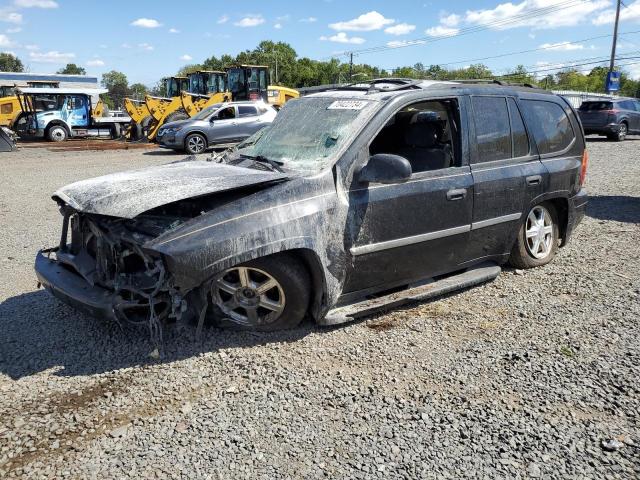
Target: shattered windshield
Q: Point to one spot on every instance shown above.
(308, 134)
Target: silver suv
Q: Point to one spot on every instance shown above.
(222, 123)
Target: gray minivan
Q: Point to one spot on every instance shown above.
(222, 123)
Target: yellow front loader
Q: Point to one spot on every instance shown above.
(166, 109)
(9, 109)
(206, 88)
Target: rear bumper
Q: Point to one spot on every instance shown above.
(577, 210)
(74, 290)
(608, 129)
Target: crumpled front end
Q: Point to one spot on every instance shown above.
(102, 267)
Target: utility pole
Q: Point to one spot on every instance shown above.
(613, 44)
(351, 67)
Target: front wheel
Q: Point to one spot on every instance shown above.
(57, 133)
(538, 236)
(266, 294)
(195, 143)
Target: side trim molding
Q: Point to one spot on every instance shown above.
(425, 237)
(495, 221)
(402, 242)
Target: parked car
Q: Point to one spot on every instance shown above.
(614, 118)
(415, 188)
(222, 123)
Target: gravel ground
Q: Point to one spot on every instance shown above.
(525, 377)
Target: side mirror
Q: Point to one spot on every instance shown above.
(385, 168)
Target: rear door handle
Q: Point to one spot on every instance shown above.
(457, 194)
(534, 180)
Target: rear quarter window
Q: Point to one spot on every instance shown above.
(549, 124)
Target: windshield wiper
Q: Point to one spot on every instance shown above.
(275, 165)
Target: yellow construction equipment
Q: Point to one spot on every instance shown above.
(251, 82)
(166, 109)
(206, 87)
(9, 109)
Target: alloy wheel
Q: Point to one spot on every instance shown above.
(249, 296)
(58, 134)
(196, 144)
(622, 131)
(539, 232)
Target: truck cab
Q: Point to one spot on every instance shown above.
(57, 114)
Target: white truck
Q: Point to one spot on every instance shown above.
(60, 113)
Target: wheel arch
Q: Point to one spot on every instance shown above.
(58, 123)
(199, 132)
(560, 201)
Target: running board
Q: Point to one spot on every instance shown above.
(474, 276)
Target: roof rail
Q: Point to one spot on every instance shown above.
(494, 81)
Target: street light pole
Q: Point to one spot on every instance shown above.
(615, 40)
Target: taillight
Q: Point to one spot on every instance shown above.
(583, 167)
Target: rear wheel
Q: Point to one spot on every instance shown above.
(57, 133)
(538, 236)
(623, 130)
(116, 131)
(266, 294)
(195, 143)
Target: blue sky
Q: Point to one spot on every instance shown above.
(151, 39)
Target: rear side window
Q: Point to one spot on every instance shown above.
(627, 105)
(595, 106)
(549, 124)
(492, 128)
(246, 111)
(520, 139)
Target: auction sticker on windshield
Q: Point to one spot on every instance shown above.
(348, 105)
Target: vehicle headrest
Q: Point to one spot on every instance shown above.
(422, 135)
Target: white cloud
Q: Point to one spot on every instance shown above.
(145, 46)
(277, 26)
(628, 13)
(250, 21)
(9, 16)
(35, 4)
(32, 47)
(223, 19)
(404, 43)
(51, 57)
(364, 23)
(567, 16)
(186, 58)
(441, 31)
(146, 23)
(95, 63)
(309, 20)
(14, 30)
(400, 29)
(174, 30)
(342, 37)
(452, 20)
(4, 41)
(125, 45)
(562, 46)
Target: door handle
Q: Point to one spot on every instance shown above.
(534, 180)
(457, 194)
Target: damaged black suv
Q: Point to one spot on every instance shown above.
(354, 199)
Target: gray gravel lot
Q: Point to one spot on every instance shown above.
(521, 378)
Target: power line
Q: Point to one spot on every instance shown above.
(550, 47)
(466, 31)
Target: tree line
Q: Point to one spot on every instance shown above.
(288, 69)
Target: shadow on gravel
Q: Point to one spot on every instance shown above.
(616, 208)
(605, 139)
(40, 333)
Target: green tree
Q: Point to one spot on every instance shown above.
(138, 90)
(187, 69)
(117, 85)
(10, 63)
(72, 69)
